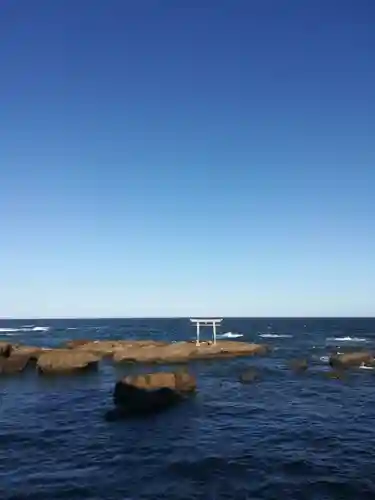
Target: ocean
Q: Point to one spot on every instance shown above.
(287, 436)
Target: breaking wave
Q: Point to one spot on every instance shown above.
(346, 339)
(229, 335)
(275, 335)
(26, 328)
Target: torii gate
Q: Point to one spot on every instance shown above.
(206, 322)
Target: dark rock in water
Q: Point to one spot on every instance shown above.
(299, 365)
(249, 376)
(13, 364)
(352, 359)
(141, 395)
(131, 401)
(5, 349)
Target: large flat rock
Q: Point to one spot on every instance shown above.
(186, 351)
(109, 347)
(65, 361)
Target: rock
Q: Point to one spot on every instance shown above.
(249, 376)
(299, 365)
(66, 361)
(140, 402)
(150, 393)
(31, 351)
(173, 353)
(72, 344)
(15, 363)
(182, 352)
(5, 349)
(109, 347)
(352, 359)
(180, 381)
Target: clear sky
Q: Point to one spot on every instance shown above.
(187, 157)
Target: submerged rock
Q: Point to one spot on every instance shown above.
(65, 361)
(151, 393)
(298, 365)
(335, 375)
(249, 376)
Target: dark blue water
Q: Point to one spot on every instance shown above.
(288, 436)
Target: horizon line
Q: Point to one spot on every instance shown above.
(56, 318)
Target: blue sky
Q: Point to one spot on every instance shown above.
(164, 157)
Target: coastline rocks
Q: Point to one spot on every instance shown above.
(181, 352)
(109, 347)
(15, 363)
(142, 395)
(32, 352)
(65, 361)
(352, 359)
(72, 344)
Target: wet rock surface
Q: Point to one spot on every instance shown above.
(147, 394)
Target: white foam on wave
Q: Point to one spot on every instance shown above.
(275, 336)
(324, 359)
(229, 335)
(24, 329)
(346, 339)
(364, 367)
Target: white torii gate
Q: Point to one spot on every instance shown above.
(206, 322)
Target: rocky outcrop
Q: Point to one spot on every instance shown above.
(66, 361)
(32, 352)
(298, 365)
(15, 363)
(352, 359)
(181, 352)
(180, 381)
(151, 393)
(109, 347)
(72, 344)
